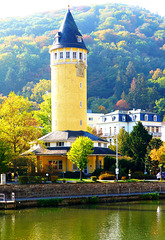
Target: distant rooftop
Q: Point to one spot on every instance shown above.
(69, 136)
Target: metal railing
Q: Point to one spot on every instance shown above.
(2, 197)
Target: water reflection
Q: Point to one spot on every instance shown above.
(117, 221)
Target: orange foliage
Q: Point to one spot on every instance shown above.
(121, 105)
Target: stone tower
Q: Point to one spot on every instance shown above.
(69, 78)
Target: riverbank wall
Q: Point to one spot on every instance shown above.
(78, 193)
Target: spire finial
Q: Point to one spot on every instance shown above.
(68, 7)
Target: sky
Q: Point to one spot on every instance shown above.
(16, 8)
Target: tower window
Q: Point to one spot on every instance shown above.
(85, 57)
(55, 55)
(74, 55)
(80, 85)
(67, 54)
(61, 55)
(80, 122)
(80, 104)
(80, 55)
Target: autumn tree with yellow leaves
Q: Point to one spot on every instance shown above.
(18, 127)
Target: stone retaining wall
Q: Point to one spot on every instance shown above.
(78, 189)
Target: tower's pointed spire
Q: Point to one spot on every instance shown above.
(68, 34)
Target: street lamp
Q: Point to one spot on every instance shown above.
(117, 160)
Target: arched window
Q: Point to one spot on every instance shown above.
(155, 118)
(146, 117)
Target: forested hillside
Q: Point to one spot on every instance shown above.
(126, 54)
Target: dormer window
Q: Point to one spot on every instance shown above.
(57, 37)
(123, 118)
(146, 117)
(79, 39)
(134, 117)
(55, 56)
(155, 118)
(113, 118)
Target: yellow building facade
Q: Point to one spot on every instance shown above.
(69, 78)
(62, 164)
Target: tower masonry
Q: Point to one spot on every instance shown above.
(69, 78)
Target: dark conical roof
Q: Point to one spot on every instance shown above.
(68, 34)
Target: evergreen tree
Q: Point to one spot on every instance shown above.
(139, 140)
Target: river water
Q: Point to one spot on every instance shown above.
(113, 221)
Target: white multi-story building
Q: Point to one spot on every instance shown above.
(93, 118)
(109, 124)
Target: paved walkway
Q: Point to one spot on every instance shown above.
(88, 196)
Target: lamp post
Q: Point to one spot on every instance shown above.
(117, 160)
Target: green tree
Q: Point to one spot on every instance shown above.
(160, 107)
(123, 142)
(159, 155)
(154, 143)
(18, 127)
(78, 154)
(139, 140)
(44, 114)
(40, 89)
(5, 155)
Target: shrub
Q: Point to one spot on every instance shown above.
(23, 179)
(53, 202)
(94, 178)
(94, 199)
(97, 172)
(141, 175)
(123, 178)
(54, 179)
(109, 162)
(151, 196)
(73, 174)
(107, 176)
(44, 179)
